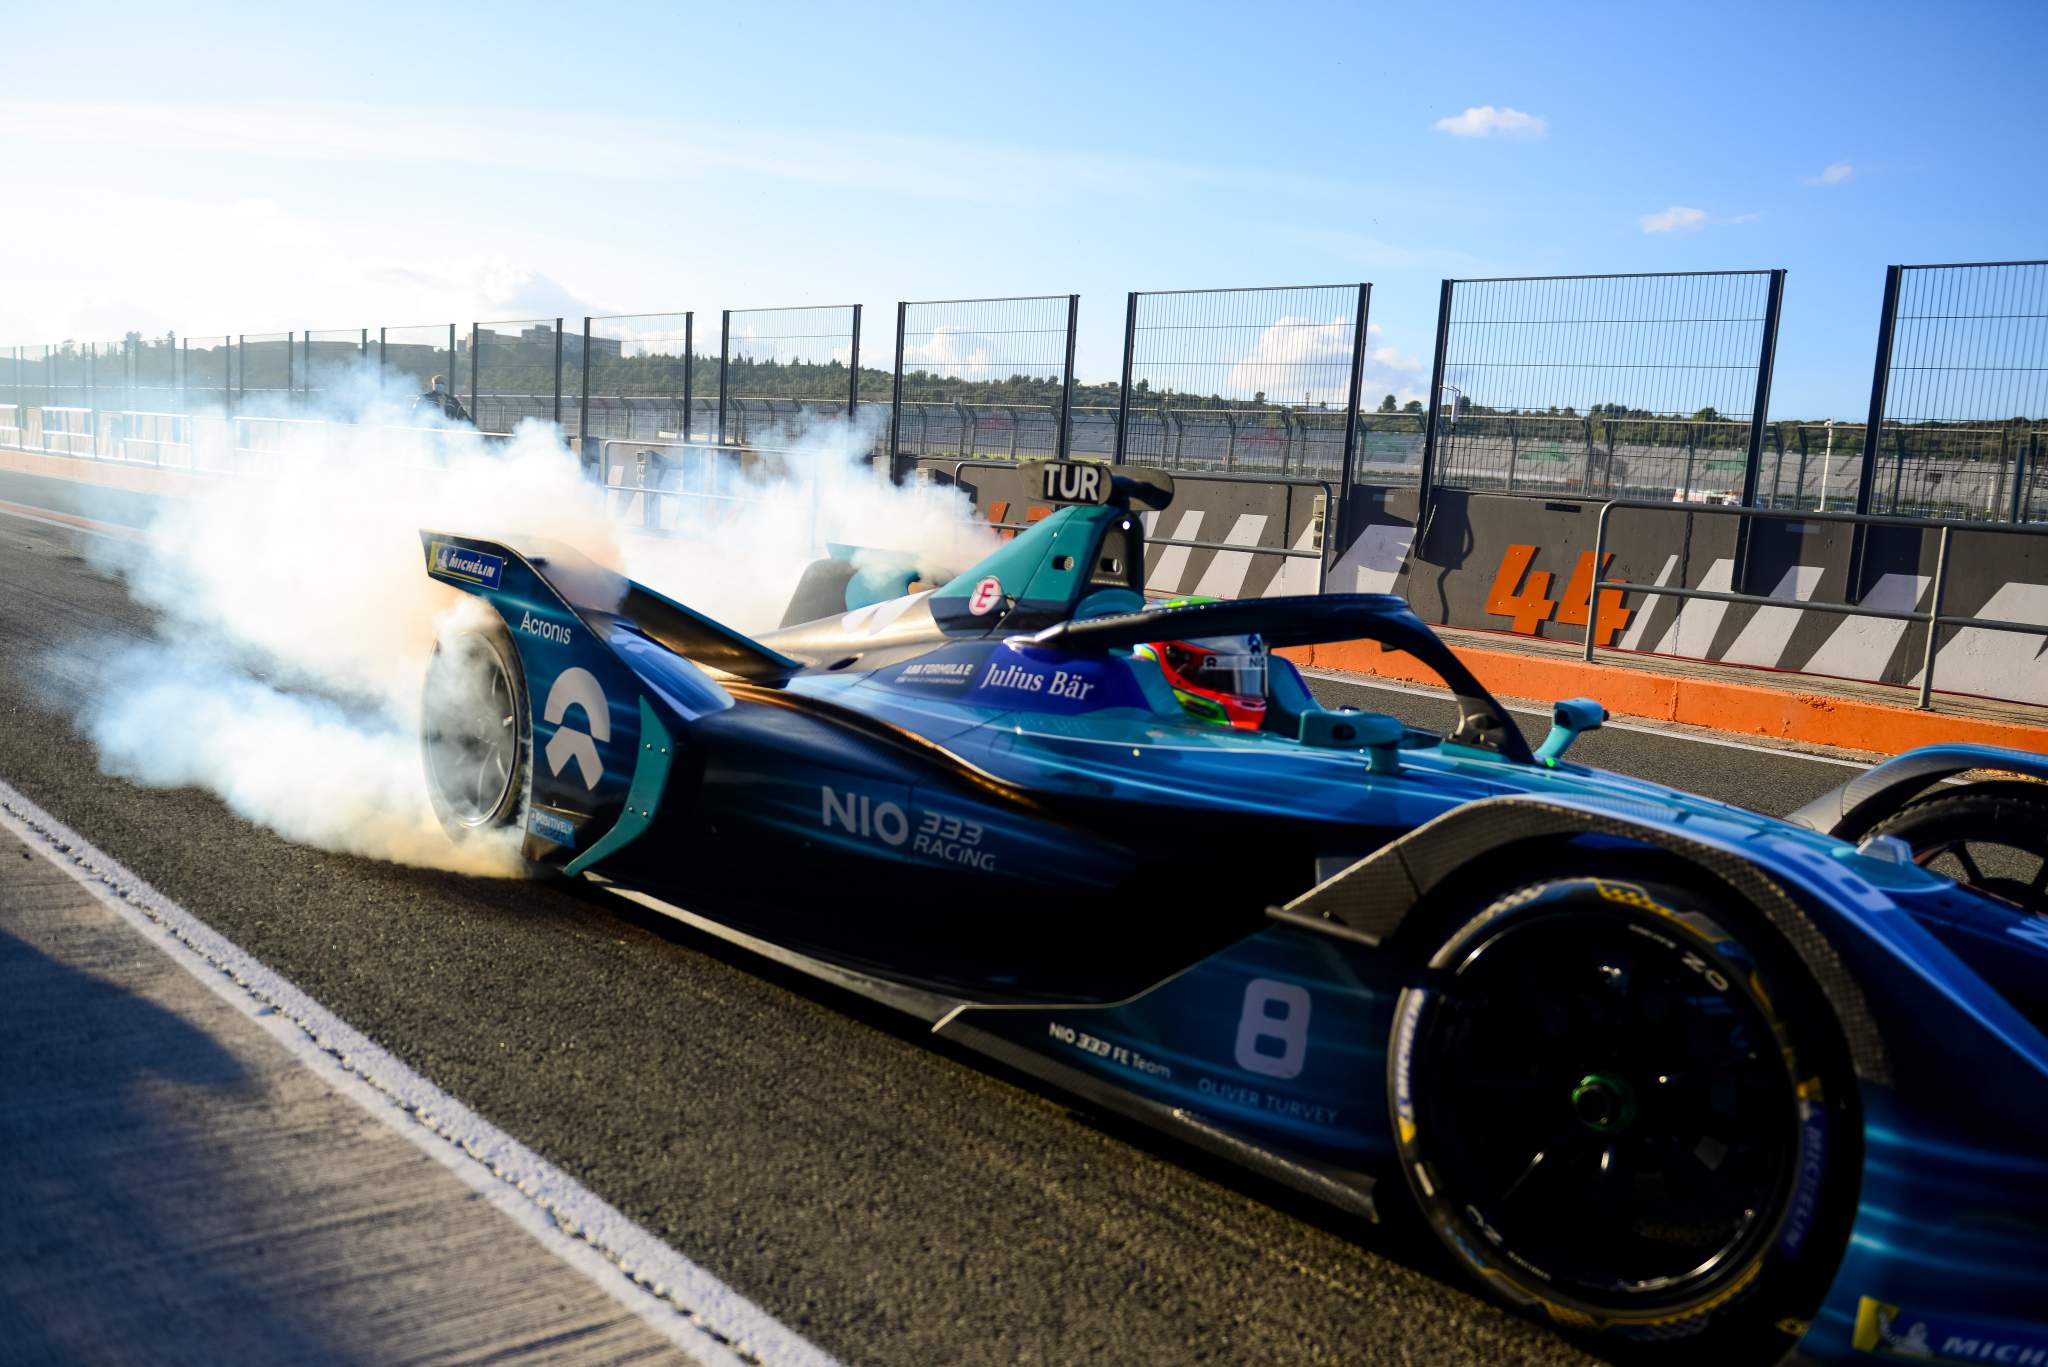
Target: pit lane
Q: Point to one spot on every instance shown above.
(888, 1200)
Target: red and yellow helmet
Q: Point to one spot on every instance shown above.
(1220, 679)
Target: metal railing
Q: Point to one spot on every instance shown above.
(1933, 617)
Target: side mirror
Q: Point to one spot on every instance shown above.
(1376, 733)
(1568, 720)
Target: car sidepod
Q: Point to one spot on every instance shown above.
(1268, 1051)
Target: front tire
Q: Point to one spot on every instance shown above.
(1632, 1109)
(475, 733)
(1989, 836)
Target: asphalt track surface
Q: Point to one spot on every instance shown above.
(892, 1201)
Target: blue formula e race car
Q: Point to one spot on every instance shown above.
(1684, 1079)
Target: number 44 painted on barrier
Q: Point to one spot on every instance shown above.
(1518, 594)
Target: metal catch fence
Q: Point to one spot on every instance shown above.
(1959, 394)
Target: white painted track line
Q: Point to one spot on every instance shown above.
(683, 1302)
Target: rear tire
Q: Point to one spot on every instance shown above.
(1630, 1107)
(1989, 836)
(475, 733)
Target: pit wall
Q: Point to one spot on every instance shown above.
(1492, 562)
(1523, 566)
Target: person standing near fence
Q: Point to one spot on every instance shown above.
(439, 397)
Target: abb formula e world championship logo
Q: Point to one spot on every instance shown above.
(577, 688)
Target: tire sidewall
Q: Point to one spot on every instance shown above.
(1783, 1279)
(499, 644)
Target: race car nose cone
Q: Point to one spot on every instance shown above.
(1604, 1103)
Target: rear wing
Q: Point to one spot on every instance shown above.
(595, 594)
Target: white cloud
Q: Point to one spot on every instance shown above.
(210, 266)
(1835, 173)
(1296, 356)
(656, 149)
(953, 350)
(1683, 218)
(1484, 120)
(1673, 218)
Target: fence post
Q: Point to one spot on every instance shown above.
(241, 369)
(689, 372)
(380, 357)
(475, 363)
(1067, 380)
(583, 400)
(558, 377)
(896, 402)
(1123, 397)
(1934, 623)
(853, 373)
(1436, 398)
(1766, 358)
(2022, 475)
(724, 341)
(1352, 398)
(289, 339)
(1880, 379)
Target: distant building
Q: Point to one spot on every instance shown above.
(543, 334)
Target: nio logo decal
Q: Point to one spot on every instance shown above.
(861, 814)
(578, 688)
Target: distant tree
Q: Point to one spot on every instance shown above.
(1412, 406)
(1388, 405)
(1259, 397)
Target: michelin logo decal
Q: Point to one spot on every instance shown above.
(473, 567)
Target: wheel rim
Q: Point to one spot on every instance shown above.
(1606, 1108)
(2007, 868)
(472, 732)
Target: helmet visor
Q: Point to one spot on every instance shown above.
(1231, 664)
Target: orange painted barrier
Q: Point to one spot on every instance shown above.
(1798, 714)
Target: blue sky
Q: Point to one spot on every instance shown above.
(286, 167)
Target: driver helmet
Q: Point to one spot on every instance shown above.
(1219, 679)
